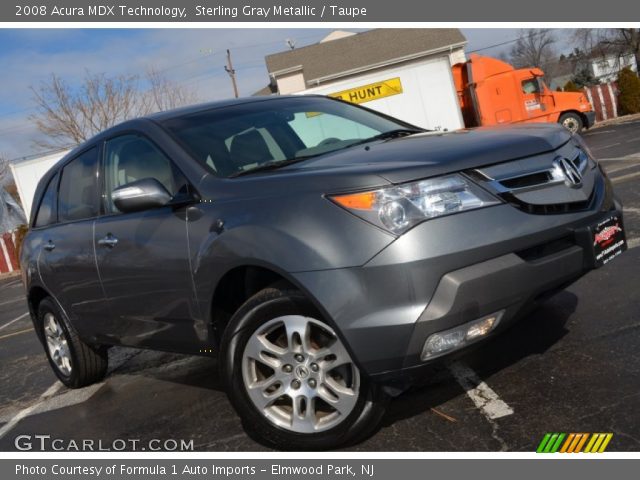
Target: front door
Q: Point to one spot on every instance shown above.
(143, 257)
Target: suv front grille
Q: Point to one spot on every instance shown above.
(540, 178)
(543, 250)
(536, 185)
(549, 209)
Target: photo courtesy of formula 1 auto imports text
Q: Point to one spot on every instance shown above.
(319, 240)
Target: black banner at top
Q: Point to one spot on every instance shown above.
(318, 11)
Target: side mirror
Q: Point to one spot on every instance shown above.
(140, 195)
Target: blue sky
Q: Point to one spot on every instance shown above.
(30, 56)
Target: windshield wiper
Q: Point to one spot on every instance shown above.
(398, 132)
(270, 166)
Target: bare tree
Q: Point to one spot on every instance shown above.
(623, 41)
(68, 116)
(165, 95)
(534, 48)
(4, 170)
(602, 42)
(6, 178)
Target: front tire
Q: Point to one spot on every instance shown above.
(572, 122)
(74, 362)
(290, 378)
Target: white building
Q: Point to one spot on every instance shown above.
(28, 172)
(405, 73)
(606, 67)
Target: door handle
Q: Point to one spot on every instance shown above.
(108, 241)
(49, 246)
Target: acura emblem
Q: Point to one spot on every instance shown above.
(572, 175)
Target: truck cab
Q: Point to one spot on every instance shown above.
(492, 92)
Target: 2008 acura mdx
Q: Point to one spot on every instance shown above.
(326, 253)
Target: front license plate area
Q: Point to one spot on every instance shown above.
(608, 240)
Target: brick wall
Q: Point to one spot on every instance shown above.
(8, 253)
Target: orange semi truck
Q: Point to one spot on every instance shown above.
(492, 92)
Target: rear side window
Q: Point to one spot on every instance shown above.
(47, 212)
(78, 194)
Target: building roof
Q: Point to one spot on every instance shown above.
(367, 49)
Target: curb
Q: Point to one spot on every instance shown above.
(4, 276)
(616, 121)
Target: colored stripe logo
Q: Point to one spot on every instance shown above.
(574, 443)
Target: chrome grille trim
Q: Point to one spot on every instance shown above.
(539, 178)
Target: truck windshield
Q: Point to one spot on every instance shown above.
(234, 140)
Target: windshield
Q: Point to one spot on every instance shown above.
(235, 140)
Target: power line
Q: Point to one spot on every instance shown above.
(186, 62)
(501, 44)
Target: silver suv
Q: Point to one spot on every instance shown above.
(325, 253)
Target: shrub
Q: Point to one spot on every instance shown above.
(629, 91)
(570, 86)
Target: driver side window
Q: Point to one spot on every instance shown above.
(530, 86)
(131, 157)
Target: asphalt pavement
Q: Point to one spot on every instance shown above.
(573, 365)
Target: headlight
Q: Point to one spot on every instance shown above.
(399, 208)
(585, 151)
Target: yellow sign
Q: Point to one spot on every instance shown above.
(370, 92)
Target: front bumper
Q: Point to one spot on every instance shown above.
(590, 119)
(449, 271)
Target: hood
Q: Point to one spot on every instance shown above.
(400, 160)
(572, 101)
(430, 154)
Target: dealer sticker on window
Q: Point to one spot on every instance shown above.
(608, 240)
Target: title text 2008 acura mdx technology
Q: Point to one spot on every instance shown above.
(326, 253)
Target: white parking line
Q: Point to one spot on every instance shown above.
(626, 166)
(48, 401)
(597, 132)
(14, 321)
(51, 391)
(623, 178)
(13, 300)
(480, 393)
(604, 147)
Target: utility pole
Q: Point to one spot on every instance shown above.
(232, 73)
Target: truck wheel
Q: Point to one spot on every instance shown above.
(74, 362)
(290, 377)
(571, 121)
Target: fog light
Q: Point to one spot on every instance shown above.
(448, 340)
(439, 343)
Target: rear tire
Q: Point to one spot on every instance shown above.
(572, 122)
(74, 362)
(304, 392)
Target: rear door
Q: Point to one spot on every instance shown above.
(67, 263)
(143, 256)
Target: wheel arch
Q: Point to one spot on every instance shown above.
(35, 296)
(241, 282)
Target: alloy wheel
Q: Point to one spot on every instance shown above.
(299, 375)
(57, 344)
(571, 124)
